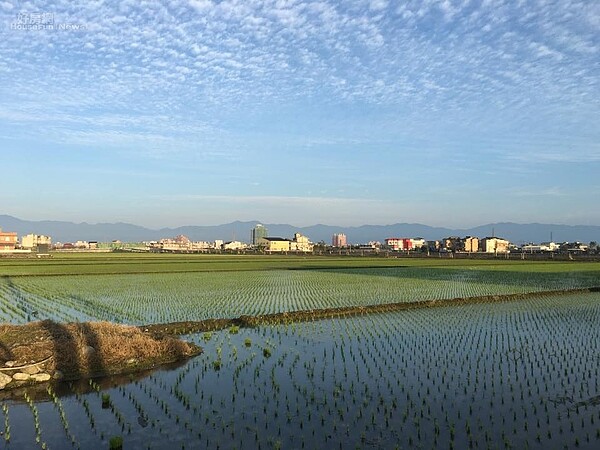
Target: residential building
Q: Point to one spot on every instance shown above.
(36, 242)
(258, 234)
(541, 248)
(8, 240)
(277, 244)
(301, 243)
(494, 245)
(452, 244)
(573, 247)
(399, 244)
(339, 240)
(234, 245)
(471, 244)
(418, 243)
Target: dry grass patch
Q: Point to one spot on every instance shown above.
(88, 349)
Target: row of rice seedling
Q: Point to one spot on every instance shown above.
(503, 375)
(157, 298)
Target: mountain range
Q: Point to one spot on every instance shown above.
(105, 232)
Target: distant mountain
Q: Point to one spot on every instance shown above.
(106, 232)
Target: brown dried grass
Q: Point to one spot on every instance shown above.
(89, 348)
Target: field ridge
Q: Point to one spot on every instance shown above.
(251, 321)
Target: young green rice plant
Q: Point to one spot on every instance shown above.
(105, 400)
(6, 422)
(115, 443)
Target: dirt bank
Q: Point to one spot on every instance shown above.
(180, 328)
(41, 351)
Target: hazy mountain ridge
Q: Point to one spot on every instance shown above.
(62, 231)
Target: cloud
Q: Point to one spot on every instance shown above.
(201, 5)
(312, 82)
(537, 192)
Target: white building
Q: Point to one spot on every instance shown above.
(34, 240)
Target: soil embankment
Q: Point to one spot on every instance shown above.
(40, 351)
(181, 328)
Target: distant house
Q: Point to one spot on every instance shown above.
(418, 242)
(404, 244)
(399, 243)
(234, 245)
(36, 242)
(8, 240)
(494, 245)
(540, 248)
(471, 244)
(452, 244)
(300, 243)
(277, 244)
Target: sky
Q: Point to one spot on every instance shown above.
(170, 113)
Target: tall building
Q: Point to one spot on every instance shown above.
(339, 240)
(259, 233)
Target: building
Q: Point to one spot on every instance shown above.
(544, 247)
(494, 245)
(471, 244)
(418, 243)
(452, 244)
(36, 242)
(277, 244)
(301, 243)
(8, 240)
(339, 240)
(399, 244)
(258, 234)
(234, 245)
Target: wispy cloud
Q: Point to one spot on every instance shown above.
(352, 89)
(536, 192)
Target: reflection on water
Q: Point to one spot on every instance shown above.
(480, 375)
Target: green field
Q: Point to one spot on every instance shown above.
(131, 263)
(146, 288)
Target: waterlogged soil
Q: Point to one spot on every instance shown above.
(495, 374)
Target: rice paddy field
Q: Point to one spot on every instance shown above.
(145, 289)
(504, 374)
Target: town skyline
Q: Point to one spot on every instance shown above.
(242, 231)
(450, 113)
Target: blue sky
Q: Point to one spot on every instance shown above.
(452, 113)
